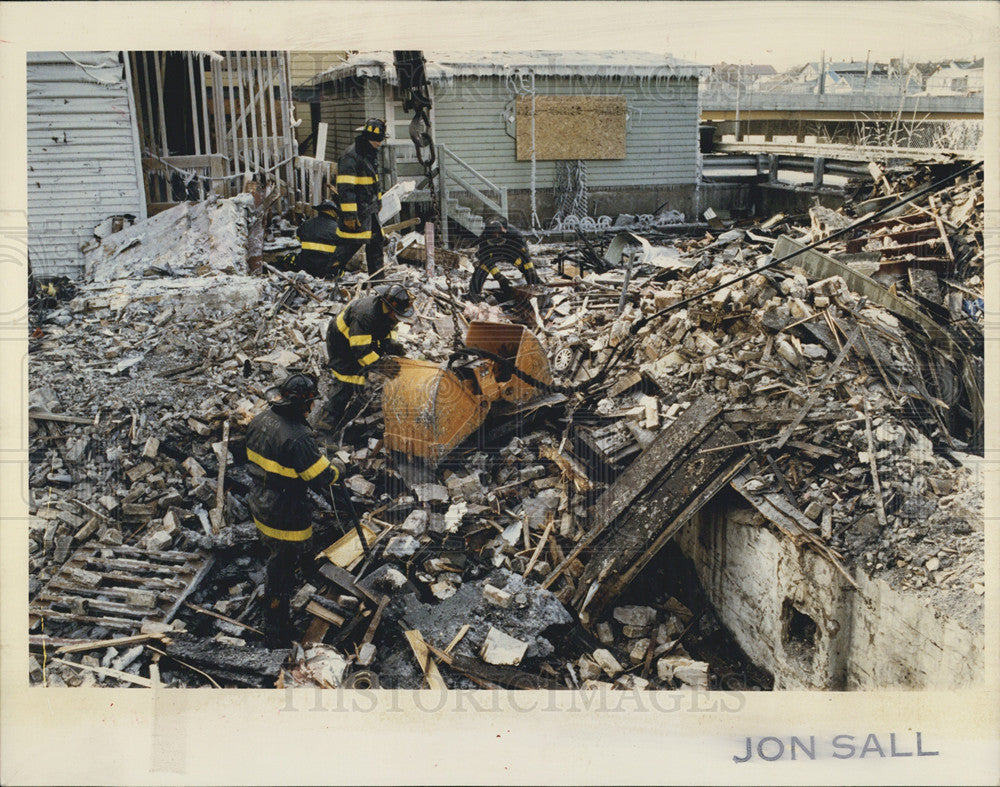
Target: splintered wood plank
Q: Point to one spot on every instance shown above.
(347, 551)
(108, 673)
(680, 487)
(318, 610)
(635, 479)
(425, 660)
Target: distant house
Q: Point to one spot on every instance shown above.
(957, 78)
(832, 82)
(741, 73)
(919, 73)
(509, 125)
(84, 155)
(302, 67)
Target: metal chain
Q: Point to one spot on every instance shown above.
(413, 82)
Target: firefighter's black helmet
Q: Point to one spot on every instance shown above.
(298, 388)
(495, 225)
(326, 206)
(396, 297)
(374, 128)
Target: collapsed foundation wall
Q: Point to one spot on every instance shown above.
(796, 616)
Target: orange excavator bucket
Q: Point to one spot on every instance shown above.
(430, 409)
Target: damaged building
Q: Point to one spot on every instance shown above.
(704, 453)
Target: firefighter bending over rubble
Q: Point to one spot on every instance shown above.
(501, 243)
(318, 237)
(284, 460)
(362, 334)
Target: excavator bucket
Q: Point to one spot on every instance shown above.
(430, 410)
(514, 343)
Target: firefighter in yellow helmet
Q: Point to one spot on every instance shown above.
(360, 199)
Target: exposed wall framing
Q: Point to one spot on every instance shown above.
(209, 122)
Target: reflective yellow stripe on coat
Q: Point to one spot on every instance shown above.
(270, 465)
(357, 180)
(284, 535)
(318, 246)
(365, 235)
(353, 379)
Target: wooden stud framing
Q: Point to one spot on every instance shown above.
(164, 150)
(195, 122)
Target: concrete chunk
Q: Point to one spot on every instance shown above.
(301, 598)
(158, 541)
(500, 648)
(683, 669)
(193, 468)
(589, 669)
(496, 596)
(360, 486)
(604, 634)
(152, 446)
(140, 471)
(637, 653)
(199, 428)
(635, 616)
(607, 662)
(401, 546)
(366, 655)
(86, 578)
(431, 493)
(416, 523)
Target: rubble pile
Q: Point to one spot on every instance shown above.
(853, 403)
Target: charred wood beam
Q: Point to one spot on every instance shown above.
(677, 474)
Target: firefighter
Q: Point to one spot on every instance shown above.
(362, 334)
(285, 460)
(501, 243)
(360, 199)
(318, 237)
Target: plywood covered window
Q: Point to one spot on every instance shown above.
(571, 127)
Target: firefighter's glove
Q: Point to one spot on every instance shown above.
(391, 347)
(389, 367)
(339, 469)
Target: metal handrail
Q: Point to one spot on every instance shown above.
(499, 206)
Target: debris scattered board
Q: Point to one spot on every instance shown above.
(94, 588)
(347, 550)
(660, 491)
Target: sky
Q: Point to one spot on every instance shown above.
(781, 34)
(789, 33)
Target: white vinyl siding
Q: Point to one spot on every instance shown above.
(83, 157)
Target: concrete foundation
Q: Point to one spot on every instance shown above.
(736, 198)
(608, 202)
(796, 616)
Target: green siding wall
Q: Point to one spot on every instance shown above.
(661, 137)
(470, 117)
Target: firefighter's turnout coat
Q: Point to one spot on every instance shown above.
(318, 237)
(358, 337)
(285, 459)
(358, 190)
(492, 250)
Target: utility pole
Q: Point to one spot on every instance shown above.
(868, 58)
(822, 72)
